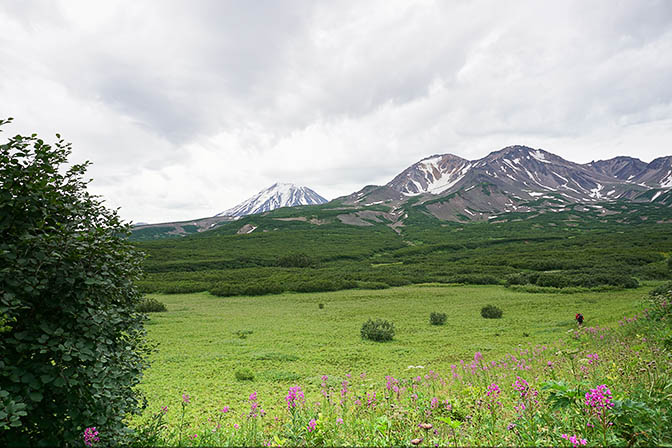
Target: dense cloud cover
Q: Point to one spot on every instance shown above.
(187, 108)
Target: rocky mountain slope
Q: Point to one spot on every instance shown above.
(515, 182)
(518, 179)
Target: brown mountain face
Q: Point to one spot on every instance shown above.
(517, 179)
(657, 174)
(622, 167)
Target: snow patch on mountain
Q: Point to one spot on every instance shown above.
(276, 196)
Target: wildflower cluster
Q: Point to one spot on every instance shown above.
(91, 436)
(599, 400)
(295, 398)
(574, 440)
(255, 410)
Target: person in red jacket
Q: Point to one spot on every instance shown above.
(579, 319)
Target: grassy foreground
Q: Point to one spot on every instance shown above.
(288, 341)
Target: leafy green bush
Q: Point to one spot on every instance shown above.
(665, 288)
(324, 285)
(151, 305)
(243, 334)
(372, 285)
(437, 318)
(295, 261)
(244, 374)
(379, 330)
(320, 306)
(491, 312)
(73, 346)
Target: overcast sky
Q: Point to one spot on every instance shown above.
(186, 108)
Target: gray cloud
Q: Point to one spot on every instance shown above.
(186, 108)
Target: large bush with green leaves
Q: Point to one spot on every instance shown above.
(379, 330)
(72, 344)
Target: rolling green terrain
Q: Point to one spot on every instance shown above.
(261, 308)
(293, 341)
(310, 249)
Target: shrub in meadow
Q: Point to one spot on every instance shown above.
(320, 306)
(244, 374)
(379, 330)
(491, 312)
(151, 305)
(437, 318)
(243, 334)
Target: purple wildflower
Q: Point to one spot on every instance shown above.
(91, 436)
(311, 425)
(295, 398)
(599, 398)
(574, 440)
(186, 399)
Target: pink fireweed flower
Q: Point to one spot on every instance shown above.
(224, 410)
(164, 410)
(493, 391)
(339, 421)
(91, 436)
(362, 375)
(186, 399)
(477, 357)
(236, 425)
(371, 400)
(598, 402)
(253, 406)
(492, 397)
(311, 425)
(593, 358)
(599, 398)
(295, 398)
(344, 389)
(193, 436)
(324, 390)
(574, 440)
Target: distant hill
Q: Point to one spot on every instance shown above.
(505, 183)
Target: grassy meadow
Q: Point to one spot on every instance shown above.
(294, 342)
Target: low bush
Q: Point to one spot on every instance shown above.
(372, 285)
(379, 330)
(243, 334)
(491, 312)
(320, 306)
(295, 261)
(665, 288)
(244, 374)
(437, 318)
(151, 305)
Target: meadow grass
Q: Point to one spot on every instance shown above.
(287, 339)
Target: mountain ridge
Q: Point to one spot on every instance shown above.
(515, 180)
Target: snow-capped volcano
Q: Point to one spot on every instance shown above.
(276, 196)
